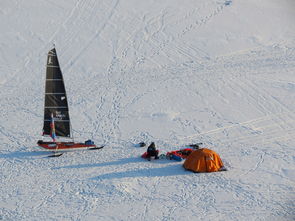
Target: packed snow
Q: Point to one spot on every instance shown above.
(220, 72)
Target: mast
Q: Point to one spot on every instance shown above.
(56, 104)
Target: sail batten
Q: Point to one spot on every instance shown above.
(52, 66)
(56, 103)
(58, 120)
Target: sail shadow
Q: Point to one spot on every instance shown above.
(171, 170)
(104, 164)
(112, 163)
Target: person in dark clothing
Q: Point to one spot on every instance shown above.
(152, 151)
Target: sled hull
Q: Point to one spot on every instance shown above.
(64, 146)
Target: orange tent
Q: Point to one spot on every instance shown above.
(203, 160)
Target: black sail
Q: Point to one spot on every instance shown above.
(55, 99)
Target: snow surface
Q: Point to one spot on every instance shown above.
(174, 72)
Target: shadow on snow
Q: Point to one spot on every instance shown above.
(171, 170)
(113, 163)
(24, 154)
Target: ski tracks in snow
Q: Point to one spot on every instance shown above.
(275, 117)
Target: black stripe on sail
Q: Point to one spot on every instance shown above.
(62, 129)
(53, 87)
(61, 114)
(53, 72)
(52, 58)
(56, 100)
(61, 121)
(52, 68)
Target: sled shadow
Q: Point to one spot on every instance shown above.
(24, 154)
(171, 170)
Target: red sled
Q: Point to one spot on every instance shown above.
(180, 153)
(56, 146)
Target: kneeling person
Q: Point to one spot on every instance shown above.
(152, 151)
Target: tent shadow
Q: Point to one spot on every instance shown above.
(171, 170)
